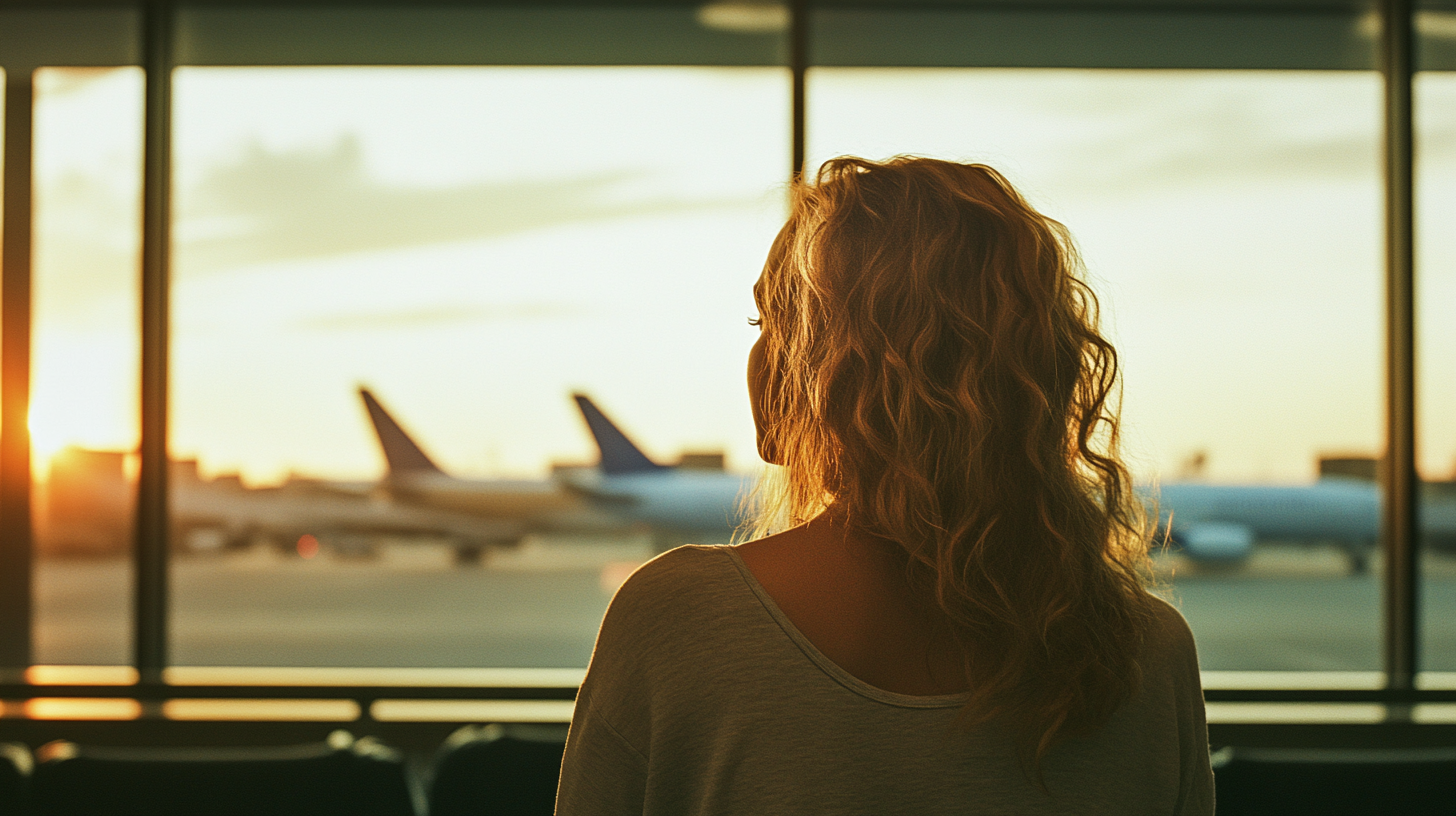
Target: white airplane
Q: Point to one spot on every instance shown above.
(1215, 524)
(1222, 523)
(87, 504)
(1218, 524)
(680, 504)
(517, 506)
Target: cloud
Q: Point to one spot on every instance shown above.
(432, 316)
(1220, 134)
(1213, 136)
(308, 204)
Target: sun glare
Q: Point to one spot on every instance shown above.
(58, 424)
(47, 438)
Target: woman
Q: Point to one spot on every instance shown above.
(955, 619)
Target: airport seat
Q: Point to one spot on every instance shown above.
(339, 776)
(498, 769)
(1335, 781)
(15, 766)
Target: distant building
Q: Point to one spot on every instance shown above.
(1365, 468)
(85, 507)
(701, 460)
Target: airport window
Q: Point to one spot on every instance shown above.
(472, 246)
(1435, 101)
(1227, 218)
(83, 420)
(404, 238)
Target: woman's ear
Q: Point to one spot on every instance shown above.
(759, 398)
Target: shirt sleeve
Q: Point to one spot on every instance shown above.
(1195, 795)
(604, 768)
(601, 773)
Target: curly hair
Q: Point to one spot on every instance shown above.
(936, 375)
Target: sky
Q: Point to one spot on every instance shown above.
(475, 243)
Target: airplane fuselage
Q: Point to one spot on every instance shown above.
(705, 503)
(1223, 522)
(1331, 509)
(536, 505)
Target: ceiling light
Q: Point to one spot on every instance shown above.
(745, 17)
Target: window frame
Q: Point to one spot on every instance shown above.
(149, 39)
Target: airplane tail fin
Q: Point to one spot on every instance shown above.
(400, 451)
(618, 453)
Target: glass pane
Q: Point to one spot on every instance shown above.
(83, 414)
(1231, 223)
(472, 245)
(1435, 105)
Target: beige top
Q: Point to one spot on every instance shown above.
(702, 698)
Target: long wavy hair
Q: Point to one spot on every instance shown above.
(936, 376)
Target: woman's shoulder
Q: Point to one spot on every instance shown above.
(1169, 643)
(678, 613)
(1169, 627)
(666, 577)
(679, 585)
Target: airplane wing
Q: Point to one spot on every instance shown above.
(401, 453)
(293, 509)
(593, 490)
(618, 453)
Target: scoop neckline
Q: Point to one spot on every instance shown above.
(829, 667)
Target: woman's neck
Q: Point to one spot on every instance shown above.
(848, 592)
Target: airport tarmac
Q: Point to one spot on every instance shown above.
(1288, 609)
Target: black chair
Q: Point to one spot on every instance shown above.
(498, 769)
(15, 766)
(340, 776)
(1335, 781)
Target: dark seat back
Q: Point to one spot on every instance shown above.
(498, 769)
(1324, 781)
(341, 776)
(15, 766)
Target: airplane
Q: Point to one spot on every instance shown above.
(626, 491)
(678, 503)
(1222, 523)
(86, 504)
(220, 513)
(1219, 524)
(1210, 523)
(518, 506)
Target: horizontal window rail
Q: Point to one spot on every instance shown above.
(364, 695)
(368, 694)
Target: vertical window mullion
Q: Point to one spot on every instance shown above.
(152, 513)
(1399, 524)
(798, 65)
(16, 556)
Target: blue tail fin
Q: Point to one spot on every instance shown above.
(400, 452)
(618, 453)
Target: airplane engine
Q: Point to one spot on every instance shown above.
(1216, 541)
